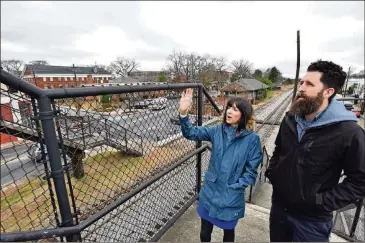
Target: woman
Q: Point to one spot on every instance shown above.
(236, 155)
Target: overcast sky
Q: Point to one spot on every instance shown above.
(264, 33)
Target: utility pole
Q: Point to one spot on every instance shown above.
(298, 66)
(35, 79)
(73, 67)
(347, 80)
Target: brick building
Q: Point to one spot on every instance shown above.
(14, 108)
(47, 76)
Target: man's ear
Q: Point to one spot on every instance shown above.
(328, 92)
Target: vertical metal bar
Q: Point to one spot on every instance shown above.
(250, 195)
(50, 138)
(88, 118)
(356, 219)
(67, 135)
(298, 66)
(82, 131)
(199, 143)
(65, 163)
(46, 170)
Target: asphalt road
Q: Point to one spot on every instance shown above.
(18, 168)
(12, 152)
(146, 124)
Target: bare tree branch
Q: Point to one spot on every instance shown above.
(124, 66)
(242, 68)
(12, 66)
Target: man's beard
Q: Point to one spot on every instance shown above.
(306, 105)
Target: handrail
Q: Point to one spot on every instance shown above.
(19, 84)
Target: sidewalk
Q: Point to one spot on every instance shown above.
(254, 227)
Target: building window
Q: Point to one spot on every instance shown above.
(51, 78)
(44, 79)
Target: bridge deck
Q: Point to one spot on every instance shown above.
(254, 227)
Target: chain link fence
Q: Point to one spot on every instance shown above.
(111, 166)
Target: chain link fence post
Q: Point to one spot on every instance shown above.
(46, 115)
(199, 143)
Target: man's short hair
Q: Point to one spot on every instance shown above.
(333, 75)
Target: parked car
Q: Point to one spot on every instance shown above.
(357, 113)
(350, 107)
(176, 120)
(158, 104)
(143, 104)
(35, 153)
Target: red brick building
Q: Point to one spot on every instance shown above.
(47, 76)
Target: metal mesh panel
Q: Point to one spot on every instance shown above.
(343, 222)
(145, 214)
(27, 201)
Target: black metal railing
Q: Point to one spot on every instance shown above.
(99, 170)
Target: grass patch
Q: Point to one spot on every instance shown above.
(269, 94)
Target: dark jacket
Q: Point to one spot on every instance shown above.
(305, 170)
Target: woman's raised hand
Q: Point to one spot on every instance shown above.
(185, 101)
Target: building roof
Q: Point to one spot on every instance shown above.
(233, 87)
(251, 84)
(48, 69)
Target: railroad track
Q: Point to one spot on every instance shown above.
(268, 103)
(268, 124)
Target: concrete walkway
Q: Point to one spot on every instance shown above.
(254, 227)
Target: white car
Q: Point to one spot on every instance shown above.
(158, 104)
(35, 153)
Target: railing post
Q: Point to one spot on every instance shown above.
(199, 143)
(356, 218)
(46, 115)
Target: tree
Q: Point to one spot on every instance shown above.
(162, 77)
(123, 66)
(358, 75)
(188, 66)
(274, 75)
(266, 81)
(206, 78)
(39, 62)
(220, 66)
(258, 73)
(242, 68)
(235, 77)
(267, 73)
(12, 66)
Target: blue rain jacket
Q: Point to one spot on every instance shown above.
(233, 166)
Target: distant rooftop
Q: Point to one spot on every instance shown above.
(49, 69)
(251, 84)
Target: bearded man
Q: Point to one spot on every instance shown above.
(318, 140)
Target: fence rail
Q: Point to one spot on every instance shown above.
(90, 170)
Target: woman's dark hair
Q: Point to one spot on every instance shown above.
(246, 112)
